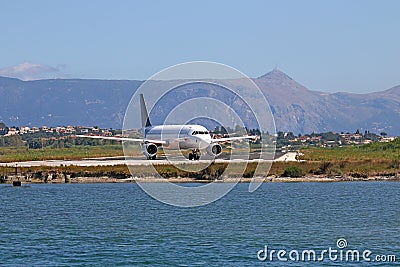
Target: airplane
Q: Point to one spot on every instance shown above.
(192, 137)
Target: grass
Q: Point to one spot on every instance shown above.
(378, 159)
(361, 169)
(375, 159)
(374, 151)
(10, 154)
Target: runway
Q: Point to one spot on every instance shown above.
(139, 161)
(113, 162)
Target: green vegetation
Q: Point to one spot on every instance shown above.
(341, 170)
(376, 159)
(362, 161)
(10, 154)
(374, 151)
(293, 171)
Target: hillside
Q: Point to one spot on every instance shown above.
(301, 110)
(103, 103)
(65, 102)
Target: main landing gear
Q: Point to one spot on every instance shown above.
(194, 155)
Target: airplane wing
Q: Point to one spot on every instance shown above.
(225, 139)
(124, 139)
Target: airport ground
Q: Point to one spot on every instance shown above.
(116, 170)
(106, 164)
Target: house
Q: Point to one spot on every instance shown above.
(70, 129)
(12, 131)
(367, 141)
(387, 139)
(34, 130)
(25, 130)
(351, 138)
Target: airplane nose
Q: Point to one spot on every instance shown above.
(203, 144)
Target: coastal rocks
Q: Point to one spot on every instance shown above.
(75, 177)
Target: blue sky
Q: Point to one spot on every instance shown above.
(328, 46)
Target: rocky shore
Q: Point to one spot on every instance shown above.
(57, 179)
(308, 172)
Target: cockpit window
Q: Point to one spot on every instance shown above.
(200, 132)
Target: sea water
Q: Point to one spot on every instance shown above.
(120, 225)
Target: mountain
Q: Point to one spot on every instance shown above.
(65, 102)
(103, 102)
(301, 110)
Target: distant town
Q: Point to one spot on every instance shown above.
(5, 131)
(57, 137)
(64, 136)
(329, 139)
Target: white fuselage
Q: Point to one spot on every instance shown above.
(180, 136)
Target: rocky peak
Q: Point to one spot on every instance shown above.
(275, 74)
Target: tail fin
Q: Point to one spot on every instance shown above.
(143, 111)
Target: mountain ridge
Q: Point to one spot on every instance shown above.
(103, 102)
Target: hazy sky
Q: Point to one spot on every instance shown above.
(351, 46)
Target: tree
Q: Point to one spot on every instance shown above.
(290, 135)
(3, 128)
(35, 143)
(12, 141)
(383, 134)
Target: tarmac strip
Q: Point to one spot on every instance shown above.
(291, 156)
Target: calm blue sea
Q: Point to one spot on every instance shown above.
(119, 225)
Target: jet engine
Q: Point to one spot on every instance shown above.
(214, 149)
(149, 150)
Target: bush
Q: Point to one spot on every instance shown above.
(323, 168)
(335, 172)
(395, 164)
(293, 171)
(358, 175)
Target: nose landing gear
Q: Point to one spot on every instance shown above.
(194, 155)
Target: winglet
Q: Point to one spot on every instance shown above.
(144, 114)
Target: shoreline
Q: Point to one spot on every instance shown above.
(114, 171)
(305, 179)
